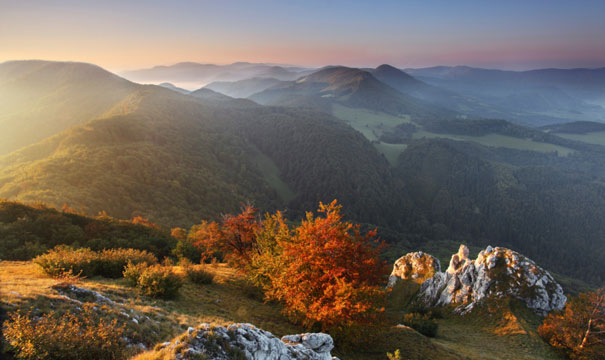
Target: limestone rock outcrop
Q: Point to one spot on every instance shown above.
(497, 272)
(223, 343)
(417, 266)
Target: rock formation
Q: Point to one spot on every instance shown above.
(497, 272)
(218, 342)
(417, 266)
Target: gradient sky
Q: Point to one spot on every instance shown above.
(121, 34)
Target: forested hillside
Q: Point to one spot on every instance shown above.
(490, 196)
(177, 159)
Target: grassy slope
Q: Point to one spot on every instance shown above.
(500, 332)
(597, 138)
(225, 301)
(481, 335)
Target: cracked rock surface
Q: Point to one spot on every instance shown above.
(236, 340)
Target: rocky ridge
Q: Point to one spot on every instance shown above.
(247, 341)
(497, 272)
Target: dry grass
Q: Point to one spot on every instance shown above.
(487, 334)
(501, 332)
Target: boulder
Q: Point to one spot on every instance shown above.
(497, 272)
(417, 266)
(222, 343)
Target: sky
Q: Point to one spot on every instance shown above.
(123, 35)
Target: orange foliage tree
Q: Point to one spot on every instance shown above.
(237, 237)
(326, 272)
(580, 329)
(234, 239)
(205, 239)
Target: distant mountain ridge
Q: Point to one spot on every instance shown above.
(348, 86)
(195, 75)
(243, 88)
(569, 94)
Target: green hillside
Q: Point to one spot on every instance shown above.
(42, 98)
(165, 158)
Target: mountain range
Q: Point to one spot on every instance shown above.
(375, 140)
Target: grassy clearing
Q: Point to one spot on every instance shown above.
(365, 121)
(597, 138)
(497, 140)
(372, 124)
(272, 176)
(391, 151)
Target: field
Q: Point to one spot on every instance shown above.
(597, 138)
(497, 140)
(372, 124)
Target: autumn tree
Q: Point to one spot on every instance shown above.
(233, 239)
(237, 237)
(204, 238)
(265, 261)
(580, 329)
(326, 273)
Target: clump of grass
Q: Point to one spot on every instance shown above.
(85, 262)
(72, 336)
(199, 276)
(424, 324)
(157, 281)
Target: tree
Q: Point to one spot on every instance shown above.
(237, 237)
(327, 272)
(580, 329)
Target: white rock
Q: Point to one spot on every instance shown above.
(416, 265)
(497, 272)
(255, 344)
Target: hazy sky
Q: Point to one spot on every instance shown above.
(123, 34)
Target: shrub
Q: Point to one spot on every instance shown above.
(88, 263)
(132, 273)
(578, 330)
(80, 336)
(421, 323)
(112, 262)
(155, 281)
(199, 276)
(185, 249)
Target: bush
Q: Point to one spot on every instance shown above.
(199, 276)
(85, 262)
(132, 273)
(155, 281)
(421, 323)
(80, 336)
